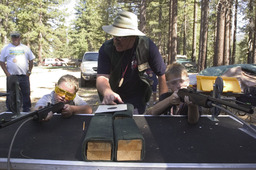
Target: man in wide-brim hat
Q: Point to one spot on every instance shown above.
(123, 61)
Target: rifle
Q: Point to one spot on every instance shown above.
(37, 115)
(208, 101)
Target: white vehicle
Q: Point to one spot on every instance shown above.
(89, 67)
(49, 62)
(52, 62)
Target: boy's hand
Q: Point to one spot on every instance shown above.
(187, 101)
(48, 117)
(174, 98)
(67, 111)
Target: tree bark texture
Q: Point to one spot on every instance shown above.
(185, 29)
(142, 25)
(250, 40)
(218, 52)
(170, 33)
(226, 34)
(254, 40)
(159, 24)
(233, 57)
(203, 35)
(193, 56)
(174, 31)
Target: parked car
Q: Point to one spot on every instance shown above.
(188, 64)
(52, 62)
(74, 62)
(89, 67)
(49, 62)
(62, 62)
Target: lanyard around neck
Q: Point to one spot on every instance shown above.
(123, 74)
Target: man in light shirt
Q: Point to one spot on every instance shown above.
(17, 60)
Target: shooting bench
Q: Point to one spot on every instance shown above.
(170, 143)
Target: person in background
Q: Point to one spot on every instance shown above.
(65, 91)
(123, 61)
(17, 60)
(177, 78)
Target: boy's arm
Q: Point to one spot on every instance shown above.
(161, 106)
(86, 109)
(69, 110)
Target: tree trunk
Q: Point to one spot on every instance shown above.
(226, 34)
(233, 57)
(170, 33)
(193, 56)
(159, 25)
(218, 51)
(174, 31)
(2, 35)
(40, 46)
(250, 40)
(254, 40)
(142, 25)
(205, 33)
(203, 36)
(5, 21)
(230, 29)
(185, 30)
(199, 68)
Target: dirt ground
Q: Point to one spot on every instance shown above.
(43, 80)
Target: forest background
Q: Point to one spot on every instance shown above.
(208, 32)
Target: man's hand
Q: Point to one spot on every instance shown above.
(110, 97)
(28, 73)
(103, 86)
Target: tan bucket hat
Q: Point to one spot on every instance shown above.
(125, 24)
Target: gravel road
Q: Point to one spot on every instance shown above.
(42, 81)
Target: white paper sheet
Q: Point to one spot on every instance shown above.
(111, 108)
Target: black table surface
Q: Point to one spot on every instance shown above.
(167, 140)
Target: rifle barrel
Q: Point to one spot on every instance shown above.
(206, 101)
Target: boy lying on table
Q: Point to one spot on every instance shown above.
(65, 91)
(176, 78)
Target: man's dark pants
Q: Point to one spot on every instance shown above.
(24, 85)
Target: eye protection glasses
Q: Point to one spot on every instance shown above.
(177, 81)
(61, 92)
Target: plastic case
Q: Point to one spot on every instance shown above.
(230, 84)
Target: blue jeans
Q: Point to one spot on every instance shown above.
(24, 85)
